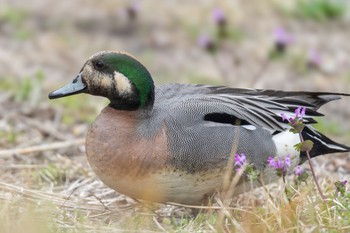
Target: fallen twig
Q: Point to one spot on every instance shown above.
(45, 147)
(44, 128)
(63, 201)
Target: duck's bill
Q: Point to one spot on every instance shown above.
(75, 87)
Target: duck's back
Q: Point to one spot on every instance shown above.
(198, 142)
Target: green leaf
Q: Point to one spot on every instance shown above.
(320, 10)
(293, 131)
(298, 126)
(302, 178)
(252, 173)
(304, 146)
(340, 187)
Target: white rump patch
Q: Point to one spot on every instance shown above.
(123, 84)
(285, 142)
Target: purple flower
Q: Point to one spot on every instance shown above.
(133, 9)
(271, 161)
(340, 187)
(135, 6)
(219, 16)
(298, 171)
(300, 112)
(287, 161)
(282, 39)
(240, 160)
(280, 165)
(282, 36)
(285, 118)
(314, 58)
(204, 40)
(206, 43)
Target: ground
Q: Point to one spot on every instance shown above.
(44, 174)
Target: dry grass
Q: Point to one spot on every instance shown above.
(87, 206)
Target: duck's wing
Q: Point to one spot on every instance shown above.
(313, 100)
(256, 107)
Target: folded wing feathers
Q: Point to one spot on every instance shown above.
(257, 111)
(300, 98)
(256, 106)
(260, 113)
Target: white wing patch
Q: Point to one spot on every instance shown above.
(122, 83)
(249, 127)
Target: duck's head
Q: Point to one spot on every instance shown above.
(116, 76)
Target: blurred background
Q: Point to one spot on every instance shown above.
(271, 44)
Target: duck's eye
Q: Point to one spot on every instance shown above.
(99, 65)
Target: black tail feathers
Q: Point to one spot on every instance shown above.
(322, 144)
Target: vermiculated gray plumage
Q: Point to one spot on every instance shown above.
(201, 122)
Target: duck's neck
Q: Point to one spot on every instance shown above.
(134, 102)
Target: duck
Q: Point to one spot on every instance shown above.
(172, 143)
